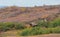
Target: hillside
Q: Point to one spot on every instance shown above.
(30, 21)
(26, 14)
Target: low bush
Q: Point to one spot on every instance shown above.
(54, 23)
(19, 26)
(38, 31)
(6, 26)
(54, 30)
(42, 23)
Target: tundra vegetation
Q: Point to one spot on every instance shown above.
(42, 27)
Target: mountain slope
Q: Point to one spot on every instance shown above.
(26, 14)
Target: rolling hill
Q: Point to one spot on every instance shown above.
(27, 14)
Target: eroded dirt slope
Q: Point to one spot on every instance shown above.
(23, 14)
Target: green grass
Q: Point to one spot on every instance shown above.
(4, 26)
(41, 28)
(39, 31)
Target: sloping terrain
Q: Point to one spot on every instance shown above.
(28, 14)
(25, 14)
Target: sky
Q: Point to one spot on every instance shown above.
(28, 3)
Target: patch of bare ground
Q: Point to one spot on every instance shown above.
(45, 35)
